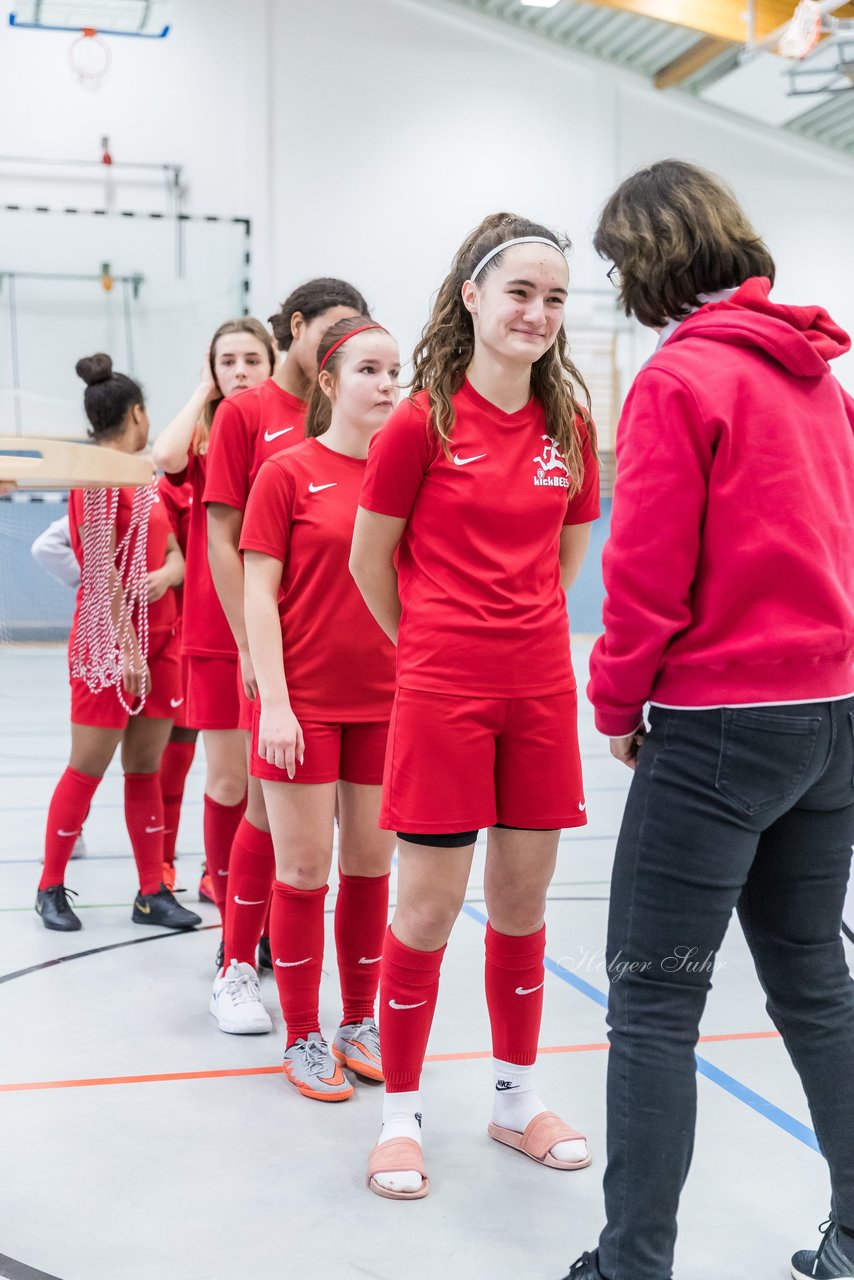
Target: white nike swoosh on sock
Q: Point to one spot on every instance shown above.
(243, 902)
(150, 831)
(394, 1005)
(292, 964)
(222, 873)
(375, 960)
(528, 991)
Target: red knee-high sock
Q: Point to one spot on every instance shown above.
(296, 941)
(174, 768)
(220, 827)
(251, 868)
(409, 985)
(265, 932)
(69, 808)
(144, 819)
(361, 919)
(515, 975)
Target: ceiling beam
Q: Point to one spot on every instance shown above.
(691, 61)
(723, 19)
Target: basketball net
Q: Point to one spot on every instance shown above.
(803, 32)
(111, 642)
(89, 58)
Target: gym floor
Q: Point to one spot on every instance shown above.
(142, 1142)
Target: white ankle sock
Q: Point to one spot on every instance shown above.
(401, 1119)
(516, 1103)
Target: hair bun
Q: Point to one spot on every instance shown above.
(95, 369)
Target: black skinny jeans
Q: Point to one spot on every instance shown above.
(750, 808)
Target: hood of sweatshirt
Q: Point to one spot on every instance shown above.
(801, 339)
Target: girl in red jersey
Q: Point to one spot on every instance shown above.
(247, 429)
(240, 356)
(326, 681)
(116, 410)
(475, 516)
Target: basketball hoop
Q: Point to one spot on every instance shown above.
(803, 32)
(89, 58)
(111, 641)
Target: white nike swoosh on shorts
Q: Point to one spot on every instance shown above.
(175, 702)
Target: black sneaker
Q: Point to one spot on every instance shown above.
(265, 955)
(827, 1262)
(161, 908)
(55, 910)
(220, 956)
(584, 1268)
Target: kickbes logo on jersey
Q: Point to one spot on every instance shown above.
(550, 462)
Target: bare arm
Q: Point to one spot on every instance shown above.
(280, 739)
(574, 541)
(170, 573)
(375, 540)
(172, 447)
(226, 565)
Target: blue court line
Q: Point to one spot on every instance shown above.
(755, 1101)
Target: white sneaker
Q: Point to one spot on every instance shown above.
(236, 1002)
(79, 850)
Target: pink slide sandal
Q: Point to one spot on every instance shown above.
(391, 1157)
(544, 1132)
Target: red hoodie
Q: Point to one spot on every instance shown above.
(729, 571)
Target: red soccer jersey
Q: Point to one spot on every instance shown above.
(178, 501)
(247, 429)
(483, 611)
(205, 632)
(162, 613)
(338, 663)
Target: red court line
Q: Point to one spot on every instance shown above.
(33, 1085)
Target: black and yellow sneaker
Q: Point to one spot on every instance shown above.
(55, 910)
(585, 1268)
(163, 909)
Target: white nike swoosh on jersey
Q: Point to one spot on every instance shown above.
(528, 991)
(394, 1005)
(375, 960)
(149, 831)
(274, 435)
(316, 488)
(463, 462)
(175, 702)
(292, 964)
(68, 833)
(244, 902)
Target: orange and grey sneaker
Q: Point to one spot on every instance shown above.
(311, 1068)
(357, 1046)
(205, 886)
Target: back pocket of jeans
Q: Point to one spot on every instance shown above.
(764, 756)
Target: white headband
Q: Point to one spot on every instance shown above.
(505, 244)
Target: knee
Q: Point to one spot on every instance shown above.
(425, 926)
(516, 916)
(141, 761)
(226, 789)
(305, 869)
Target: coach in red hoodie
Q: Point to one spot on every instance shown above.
(730, 610)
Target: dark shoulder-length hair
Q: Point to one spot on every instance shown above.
(675, 231)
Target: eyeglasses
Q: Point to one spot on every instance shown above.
(614, 277)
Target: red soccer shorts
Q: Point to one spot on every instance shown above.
(104, 711)
(333, 753)
(459, 764)
(247, 705)
(180, 713)
(212, 693)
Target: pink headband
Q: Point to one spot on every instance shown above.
(346, 338)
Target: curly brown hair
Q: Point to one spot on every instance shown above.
(675, 231)
(447, 347)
